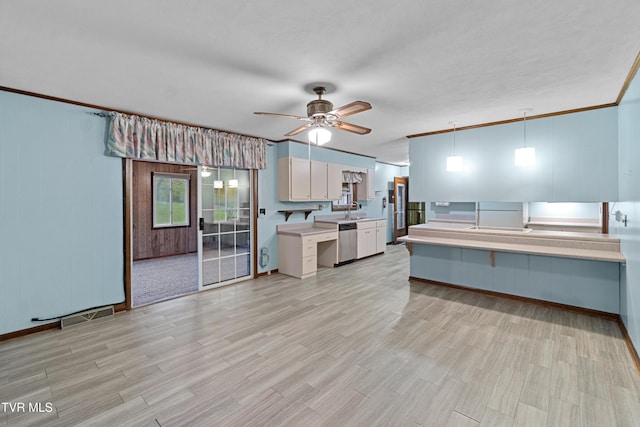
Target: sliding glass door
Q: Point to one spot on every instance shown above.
(225, 226)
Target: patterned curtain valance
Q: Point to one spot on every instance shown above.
(351, 177)
(142, 138)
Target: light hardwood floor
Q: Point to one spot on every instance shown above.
(358, 345)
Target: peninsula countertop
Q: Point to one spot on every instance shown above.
(601, 247)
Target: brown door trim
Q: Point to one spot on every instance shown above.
(127, 168)
(256, 210)
(402, 181)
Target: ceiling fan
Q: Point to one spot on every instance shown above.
(320, 113)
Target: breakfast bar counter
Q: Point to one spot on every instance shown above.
(599, 247)
(576, 269)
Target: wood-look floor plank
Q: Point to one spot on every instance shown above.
(355, 345)
(530, 416)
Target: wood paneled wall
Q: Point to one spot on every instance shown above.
(147, 241)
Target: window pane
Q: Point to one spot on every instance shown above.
(210, 271)
(243, 266)
(179, 206)
(242, 243)
(207, 196)
(227, 268)
(162, 198)
(218, 215)
(210, 247)
(227, 244)
(243, 219)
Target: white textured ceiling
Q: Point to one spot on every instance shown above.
(421, 64)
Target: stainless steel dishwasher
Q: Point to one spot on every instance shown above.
(347, 242)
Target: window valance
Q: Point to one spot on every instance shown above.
(351, 177)
(142, 138)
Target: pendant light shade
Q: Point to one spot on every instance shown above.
(525, 156)
(454, 163)
(319, 135)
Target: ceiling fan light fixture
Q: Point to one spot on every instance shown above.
(206, 173)
(319, 135)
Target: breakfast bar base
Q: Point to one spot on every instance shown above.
(582, 283)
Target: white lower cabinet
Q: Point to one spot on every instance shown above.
(366, 236)
(300, 254)
(381, 236)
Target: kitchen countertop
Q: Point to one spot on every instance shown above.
(601, 247)
(305, 229)
(348, 220)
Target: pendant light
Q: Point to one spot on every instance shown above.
(454, 163)
(319, 135)
(525, 156)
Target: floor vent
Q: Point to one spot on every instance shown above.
(86, 316)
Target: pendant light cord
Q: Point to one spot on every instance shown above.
(524, 122)
(454, 137)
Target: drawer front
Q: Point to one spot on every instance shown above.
(365, 224)
(308, 240)
(382, 223)
(309, 249)
(309, 264)
(323, 237)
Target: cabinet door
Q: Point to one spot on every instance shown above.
(371, 184)
(334, 181)
(367, 188)
(299, 179)
(318, 180)
(381, 237)
(366, 242)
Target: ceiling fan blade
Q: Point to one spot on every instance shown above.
(352, 108)
(349, 127)
(286, 116)
(298, 130)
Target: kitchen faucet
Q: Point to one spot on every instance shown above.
(347, 215)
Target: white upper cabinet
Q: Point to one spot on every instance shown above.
(294, 179)
(367, 188)
(334, 181)
(371, 184)
(319, 182)
(303, 180)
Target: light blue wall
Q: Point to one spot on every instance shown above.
(268, 192)
(576, 161)
(384, 182)
(465, 211)
(61, 228)
(629, 205)
(565, 210)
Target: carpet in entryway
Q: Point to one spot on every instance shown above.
(162, 278)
